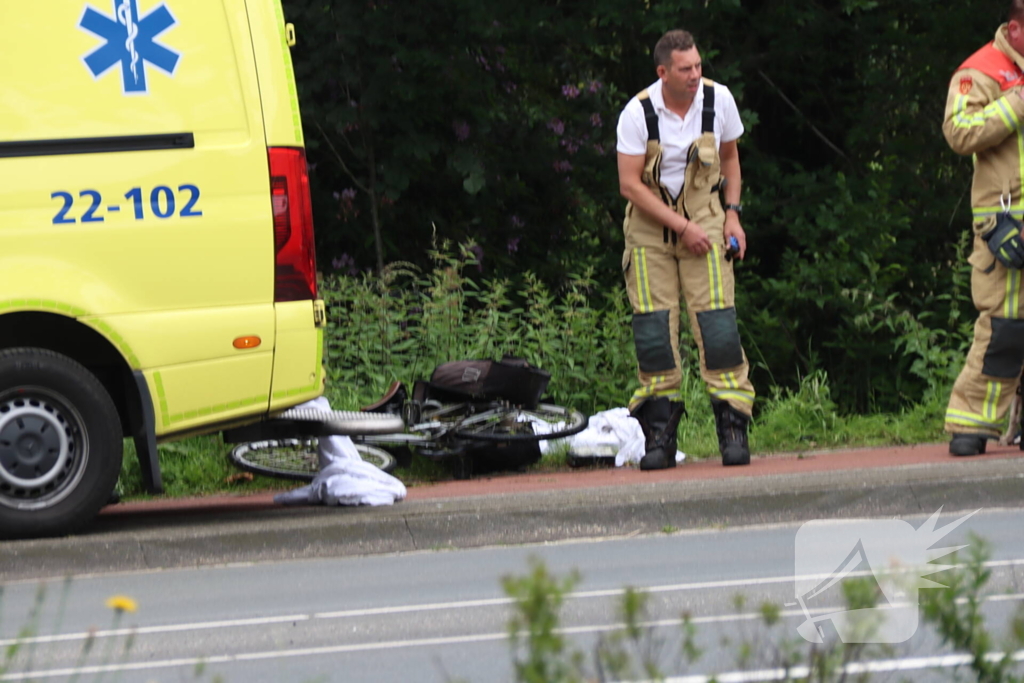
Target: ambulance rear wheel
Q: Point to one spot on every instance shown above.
(60, 444)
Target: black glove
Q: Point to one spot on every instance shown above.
(1005, 242)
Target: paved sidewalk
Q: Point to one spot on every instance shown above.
(530, 508)
(600, 477)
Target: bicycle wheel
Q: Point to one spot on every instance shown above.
(508, 423)
(297, 458)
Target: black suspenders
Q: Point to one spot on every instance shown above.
(707, 123)
(651, 117)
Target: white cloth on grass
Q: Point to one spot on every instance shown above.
(344, 478)
(608, 433)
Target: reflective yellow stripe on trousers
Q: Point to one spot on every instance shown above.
(733, 391)
(643, 284)
(966, 419)
(715, 277)
(648, 391)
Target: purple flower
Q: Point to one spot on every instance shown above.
(346, 204)
(513, 244)
(346, 263)
(571, 146)
(517, 221)
(461, 129)
(557, 126)
(562, 166)
(510, 87)
(595, 120)
(594, 86)
(570, 92)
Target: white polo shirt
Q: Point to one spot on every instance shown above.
(677, 134)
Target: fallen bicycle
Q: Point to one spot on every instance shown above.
(468, 411)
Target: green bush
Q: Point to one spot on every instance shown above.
(402, 324)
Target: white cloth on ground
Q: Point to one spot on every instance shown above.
(608, 433)
(343, 479)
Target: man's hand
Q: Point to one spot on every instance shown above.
(1004, 241)
(734, 229)
(694, 238)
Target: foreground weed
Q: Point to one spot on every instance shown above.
(540, 653)
(26, 650)
(636, 651)
(25, 634)
(761, 641)
(955, 612)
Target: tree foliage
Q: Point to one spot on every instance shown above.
(493, 124)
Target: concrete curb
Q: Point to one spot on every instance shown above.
(253, 529)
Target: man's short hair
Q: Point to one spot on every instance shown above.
(1016, 12)
(683, 41)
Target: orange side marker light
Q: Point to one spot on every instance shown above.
(250, 342)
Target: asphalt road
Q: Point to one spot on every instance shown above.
(438, 615)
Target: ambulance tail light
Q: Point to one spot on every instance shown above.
(294, 251)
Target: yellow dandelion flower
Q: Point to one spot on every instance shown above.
(121, 603)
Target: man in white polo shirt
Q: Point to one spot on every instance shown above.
(678, 160)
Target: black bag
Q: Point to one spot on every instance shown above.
(510, 379)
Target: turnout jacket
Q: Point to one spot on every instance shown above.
(984, 114)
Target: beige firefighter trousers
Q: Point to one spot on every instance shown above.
(986, 385)
(656, 269)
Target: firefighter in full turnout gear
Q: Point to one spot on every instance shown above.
(984, 114)
(678, 159)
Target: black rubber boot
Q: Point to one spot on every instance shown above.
(659, 418)
(731, 425)
(968, 444)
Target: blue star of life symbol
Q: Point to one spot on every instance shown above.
(130, 41)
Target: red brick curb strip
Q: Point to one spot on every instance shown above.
(590, 478)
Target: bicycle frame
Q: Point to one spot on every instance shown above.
(448, 431)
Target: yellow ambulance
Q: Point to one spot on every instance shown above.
(157, 271)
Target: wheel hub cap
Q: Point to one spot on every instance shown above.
(34, 445)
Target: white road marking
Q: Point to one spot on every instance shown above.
(436, 606)
(854, 668)
(907, 664)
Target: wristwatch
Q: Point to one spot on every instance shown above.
(738, 208)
